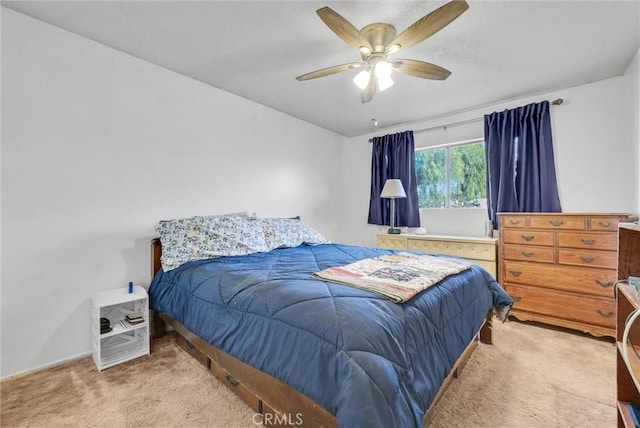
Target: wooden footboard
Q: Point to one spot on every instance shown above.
(279, 404)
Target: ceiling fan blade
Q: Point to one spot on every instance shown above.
(430, 24)
(328, 71)
(343, 28)
(370, 90)
(421, 69)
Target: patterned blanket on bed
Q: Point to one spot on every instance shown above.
(398, 277)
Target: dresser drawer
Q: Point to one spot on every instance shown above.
(593, 241)
(512, 221)
(558, 222)
(528, 237)
(603, 259)
(530, 253)
(606, 223)
(392, 242)
(466, 250)
(594, 281)
(592, 310)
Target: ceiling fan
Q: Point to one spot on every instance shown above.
(376, 42)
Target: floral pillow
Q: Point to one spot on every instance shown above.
(289, 232)
(204, 237)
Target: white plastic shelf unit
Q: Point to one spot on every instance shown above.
(125, 341)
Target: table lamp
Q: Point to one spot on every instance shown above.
(393, 189)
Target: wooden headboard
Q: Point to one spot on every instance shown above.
(156, 252)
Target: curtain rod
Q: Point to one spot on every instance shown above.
(557, 102)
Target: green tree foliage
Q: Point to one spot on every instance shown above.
(431, 175)
(467, 176)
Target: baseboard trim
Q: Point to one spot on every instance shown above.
(47, 366)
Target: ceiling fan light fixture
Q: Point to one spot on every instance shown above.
(383, 69)
(365, 51)
(362, 79)
(384, 82)
(376, 42)
(392, 49)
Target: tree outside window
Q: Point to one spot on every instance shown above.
(454, 176)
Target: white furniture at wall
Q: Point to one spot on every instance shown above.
(482, 251)
(125, 342)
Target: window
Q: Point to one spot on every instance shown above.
(452, 176)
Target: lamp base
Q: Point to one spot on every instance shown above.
(393, 231)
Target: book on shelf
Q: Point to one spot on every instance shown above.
(134, 318)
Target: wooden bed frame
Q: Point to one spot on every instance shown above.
(280, 404)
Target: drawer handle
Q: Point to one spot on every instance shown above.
(527, 237)
(188, 345)
(607, 314)
(604, 284)
(556, 222)
(587, 241)
(587, 259)
(526, 254)
(516, 298)
(605, 223)
(232, 380)
(515, 272)
(514, 221)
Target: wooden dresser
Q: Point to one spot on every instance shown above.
(561, 269)
(482, 251)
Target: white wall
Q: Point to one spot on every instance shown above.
(596, 158)
(97, 146)
(632, 106)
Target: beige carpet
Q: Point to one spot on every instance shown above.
(534, 377)
(531, 377)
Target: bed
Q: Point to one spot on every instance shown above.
(303, 351)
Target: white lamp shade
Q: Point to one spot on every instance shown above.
(393, 189)
(362, 79)
(383, 69)
(384, 82)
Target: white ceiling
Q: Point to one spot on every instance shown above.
(496, 50)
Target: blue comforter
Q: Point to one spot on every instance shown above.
(368, 361)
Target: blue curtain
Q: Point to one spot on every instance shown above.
(521, 172)
(392, 156)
